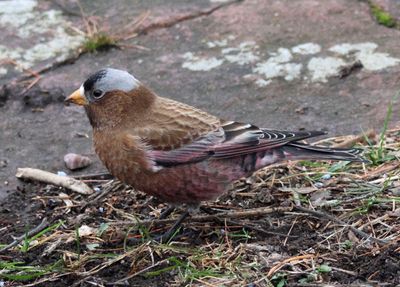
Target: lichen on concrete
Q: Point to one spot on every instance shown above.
(217, 43)
(262, 83)
(288, 63)
(278, 66)
(3, 71)
(242, 54)
(323, 68)
(47, 31)
(365, 52)
(195, 63)
(306, 49)
(16, 13)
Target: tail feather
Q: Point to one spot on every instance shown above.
(299, 151)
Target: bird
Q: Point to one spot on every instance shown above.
(179, 153)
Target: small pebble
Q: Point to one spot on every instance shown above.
(75, 161)
(326, 176)
(101, 209)
(318, 184)
(61, 173)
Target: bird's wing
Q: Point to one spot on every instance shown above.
(230, 140)
(243, 138)
(173, 125)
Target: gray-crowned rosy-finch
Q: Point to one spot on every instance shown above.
(176, 152)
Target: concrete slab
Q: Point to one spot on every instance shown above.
(272, 63)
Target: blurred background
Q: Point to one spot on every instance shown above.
(327, 65)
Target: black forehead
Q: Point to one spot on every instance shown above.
(89, 83)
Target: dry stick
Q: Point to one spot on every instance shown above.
(35, 230)
(15, 63)
(32, 74)
(353, 140)
(51, 178)
(262, 231)
(334, 219)
(279, 265)
(123, 280)
(249, 226)
(96, 199)
(379, 172)
(108, 263)
(240, 214)
(34, 82)
(230, 214)
(50, 278)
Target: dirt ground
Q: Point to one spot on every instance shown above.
(297, 224)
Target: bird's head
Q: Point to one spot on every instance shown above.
(110, 96)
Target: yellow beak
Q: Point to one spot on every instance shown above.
(76, 98)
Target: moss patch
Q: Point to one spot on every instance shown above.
(382, 17)
(98, 42)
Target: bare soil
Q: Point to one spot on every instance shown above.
(304, 224)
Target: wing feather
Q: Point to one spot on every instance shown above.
(230, 140)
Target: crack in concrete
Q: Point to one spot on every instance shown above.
(169, 22)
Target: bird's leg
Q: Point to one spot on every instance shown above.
(167, 235)
(207, 209)
(166, 212)
(173, 229)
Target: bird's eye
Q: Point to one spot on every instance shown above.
(97, 94)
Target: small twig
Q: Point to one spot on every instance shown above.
(384, 169)
(374, 221)
(245, 225)
(15, 63)
(370, 134)
(110, 262)
(29, 71)
(84, 18)
(240, 214)
(49, 278)
(34, 82)
(290, 230)
(278, 266)
(203, 218)
(344, 271)
(123, 280)
(97, 198)
(51, 178)
(336, 220)
(134, 26)
(35, 230)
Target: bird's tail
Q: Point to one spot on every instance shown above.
(299, 151)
